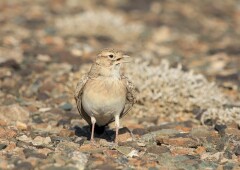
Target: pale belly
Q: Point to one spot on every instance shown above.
(104, 99)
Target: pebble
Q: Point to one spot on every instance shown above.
(157, 149)
(183, 142)
(220, 128)
(24, 138)
(139, 131)
(23, 166)
(13, 113)
(164, 132)
(200, 150)
(200, 132)
(2, 146)
(21, 125)
(32, 153)
(6, 133)
(66, 133)
(66, 107)
(237, 150)
(79, 158)
(38, 141)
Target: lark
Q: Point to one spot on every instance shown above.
(105, 95)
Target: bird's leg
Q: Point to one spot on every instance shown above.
(117, 127)
(93, 121)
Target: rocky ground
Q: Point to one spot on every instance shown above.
(186, 64)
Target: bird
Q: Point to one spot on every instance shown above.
(104, 94)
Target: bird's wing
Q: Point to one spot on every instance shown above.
(130, 97)
(78, 97)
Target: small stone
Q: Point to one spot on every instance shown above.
(233, 132)
(67, 146)
(80, 140)
(44, 151)
(42, 96)
(37, 119)
(61, 168)
(105, 167)
(181, 135)
(124, 135)
(23, 166)
(22, 144)
(122, 160)
(220, 128)
(112, 153)
(237, 150)
(227, 154)
(210, 147)
(11, 146)
(57, 139)
(131, 144)
(230, 166)
(6, 133)
(200, 150)
(141, 144)
(4, 164)
(139, 131)
(157, 149)
(104, 142)
(90, 148)
(44, 109)
(183, 142)
(66, 133)
(80, 159)
(200, 132)
(164, 132)
(13, 113)
(24, 138)
(38, 141)
(66, 107)
(3, 123)
(181, 151)
(2, 146)
(183, 129)
(43, 58)
(5, 72)
(63, 122)
(32, 153)
(207, 165)
(21, 125)
(133, 153)
(123, 149)
(221, 143)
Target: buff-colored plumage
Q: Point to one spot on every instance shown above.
(104, 95)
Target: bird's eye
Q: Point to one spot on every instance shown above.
(110, 56)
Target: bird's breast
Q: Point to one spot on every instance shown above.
(105, 96)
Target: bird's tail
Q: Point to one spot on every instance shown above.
(98, 129)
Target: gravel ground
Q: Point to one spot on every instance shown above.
(186, 68)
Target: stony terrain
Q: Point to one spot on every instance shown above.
(185, 65)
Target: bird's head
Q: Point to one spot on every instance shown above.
(108, 63)
(111, 58)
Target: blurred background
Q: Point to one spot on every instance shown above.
(202, 35)
(178, 49)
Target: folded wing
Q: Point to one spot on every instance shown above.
(78, 98)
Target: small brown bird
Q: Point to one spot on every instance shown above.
(104, 94)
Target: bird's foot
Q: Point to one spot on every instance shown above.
(116, 141)
(94, 143)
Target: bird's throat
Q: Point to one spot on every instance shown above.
(110, 72)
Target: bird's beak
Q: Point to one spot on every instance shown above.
(126, 59)
(123, 59)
